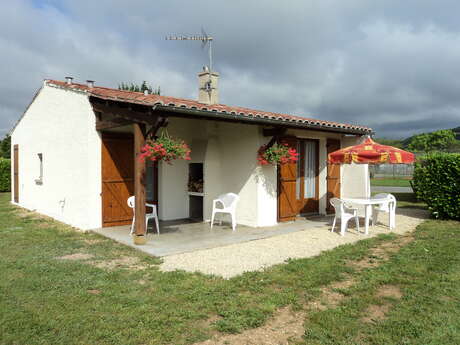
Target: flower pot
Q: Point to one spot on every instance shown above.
(140, 239)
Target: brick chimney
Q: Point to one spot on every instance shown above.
(208, 92)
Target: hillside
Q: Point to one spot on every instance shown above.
(404, 143)
(457, 132)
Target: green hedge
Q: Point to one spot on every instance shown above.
(437, 182)
(5, 175)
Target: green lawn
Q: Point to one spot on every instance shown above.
(45, 299)
(407, 200)
(390, 182)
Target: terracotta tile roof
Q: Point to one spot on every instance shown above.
(172, 102)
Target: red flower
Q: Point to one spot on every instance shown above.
(276, 154)
(165, 148)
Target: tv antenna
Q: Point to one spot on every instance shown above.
(204, 38)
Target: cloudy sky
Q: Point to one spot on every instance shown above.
(391, 65)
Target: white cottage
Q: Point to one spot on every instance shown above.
(75, 148)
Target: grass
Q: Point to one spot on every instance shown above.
(390, 182)
(47, 300)
(428, 273)
(408, 200)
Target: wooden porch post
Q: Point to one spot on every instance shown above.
(140, 230)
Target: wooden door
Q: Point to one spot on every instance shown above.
(16, 173)
(117, 179)
(307, 190)
(333, 175)
(287, 178)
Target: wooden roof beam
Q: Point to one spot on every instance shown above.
(128, 113)
(160, 122)
(276, 131)
(102, 124)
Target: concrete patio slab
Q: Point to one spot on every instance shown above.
(184, 236)
(194, 247)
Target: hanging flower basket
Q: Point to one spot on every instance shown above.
(276, 154)
(165, 148)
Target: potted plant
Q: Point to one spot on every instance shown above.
(165, 148)
(276, 154)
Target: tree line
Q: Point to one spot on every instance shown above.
(5, 147)
(139, 88)
(444, 140)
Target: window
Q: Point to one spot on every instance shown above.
(299, 170)
(310, 170)
(40, 177)
(306, 169)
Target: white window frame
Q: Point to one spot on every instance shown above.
(39, 180)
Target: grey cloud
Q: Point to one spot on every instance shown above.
(391, 65)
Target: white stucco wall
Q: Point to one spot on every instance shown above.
(173, 178)
(60, 124)
(267, 197)
(355, 177)
(228, 152)
(239, 144)
(213, 186)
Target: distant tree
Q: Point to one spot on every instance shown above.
(456, 132)
(435, 141)
(5, 147)
(139, 88)
(390, 142)
(454, 147)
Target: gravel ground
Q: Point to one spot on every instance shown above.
(235, 259)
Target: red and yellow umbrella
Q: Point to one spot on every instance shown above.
(369, 152)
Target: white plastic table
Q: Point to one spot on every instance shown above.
(367, 203)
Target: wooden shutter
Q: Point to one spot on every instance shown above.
(287, 178)
(333, 175)
(117, 180)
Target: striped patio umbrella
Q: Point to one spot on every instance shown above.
(369, 152)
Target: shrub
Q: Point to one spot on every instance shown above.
(437, 182)
(5, 175)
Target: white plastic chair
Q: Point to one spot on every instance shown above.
(228, 202)
(388, 207)
(154, 215)
(345, 213)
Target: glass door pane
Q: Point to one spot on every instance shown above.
(310, 170)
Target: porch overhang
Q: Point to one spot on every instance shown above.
(148, 115)
(111, 115)
(174, 111)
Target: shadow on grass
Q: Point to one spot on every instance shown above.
(408, 200)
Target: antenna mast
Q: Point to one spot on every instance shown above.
(204, 38)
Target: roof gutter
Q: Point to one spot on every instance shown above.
(256, 120)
